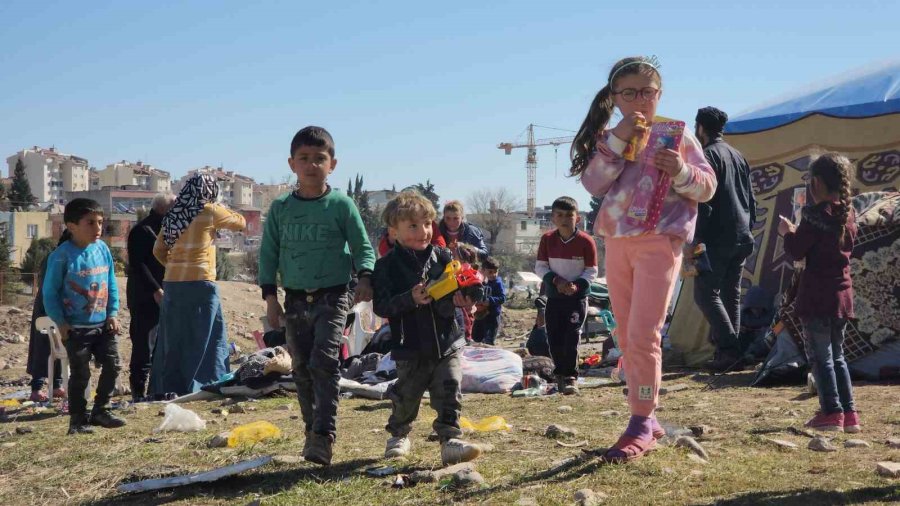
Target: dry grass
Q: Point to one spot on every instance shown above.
(48, 467)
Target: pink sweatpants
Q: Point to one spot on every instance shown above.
(641, 273)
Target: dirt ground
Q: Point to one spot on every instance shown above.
(39, 464)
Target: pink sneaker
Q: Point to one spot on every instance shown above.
(851, 422)
(38, 396)
(831, 423)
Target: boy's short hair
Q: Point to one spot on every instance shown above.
(565, 204)
(467, 253)
(312, 136)
(490, 263)
(455, 206)
(406, 206)
(79, 208)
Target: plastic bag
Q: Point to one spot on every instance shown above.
(178, 419)
(488, 424)
(280, 363)
(252, 433)
(489, 370)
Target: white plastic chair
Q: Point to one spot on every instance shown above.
(46, 326)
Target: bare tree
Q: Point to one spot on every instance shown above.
(492, 209)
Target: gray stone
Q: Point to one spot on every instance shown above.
(559, 432)
(889, 469)
(698, 459)
(24, 430)
(893, 443)
(433, 476)
(820, 444)
(564, 409)
(466, 478)
(673, 388)
(15, 310)
(285, 407)
(587, 497)
(785, 445)
(700, 430)
(238, 408)
(219, 440)
(288, 459)
(526, 501)
(856, 443)
(610, 412)
(691, 444)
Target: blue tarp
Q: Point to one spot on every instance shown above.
(872, 91)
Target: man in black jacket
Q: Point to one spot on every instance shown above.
(144, 291)
(425, 331)
(724, 225)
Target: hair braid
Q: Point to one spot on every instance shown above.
(833, 170)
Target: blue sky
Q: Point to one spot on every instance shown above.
(410, 90)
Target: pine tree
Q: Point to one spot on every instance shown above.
(20, 196)
(427, 190)
(369, 217)
(4, 199)
(592, 214)
(7, 283)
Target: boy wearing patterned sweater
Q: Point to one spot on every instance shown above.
(567, 262)
(306, 239)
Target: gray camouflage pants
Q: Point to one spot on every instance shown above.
(442, 379)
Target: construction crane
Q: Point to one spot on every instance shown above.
(531, 159)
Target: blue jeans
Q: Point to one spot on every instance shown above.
(825, 337)
(191, 343)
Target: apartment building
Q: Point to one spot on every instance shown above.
(235, 191)
(51, 173)
(139, 176)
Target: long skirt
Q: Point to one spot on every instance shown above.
(191, 344)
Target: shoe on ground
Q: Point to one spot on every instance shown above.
(104, 418)
(79, 425)
(454, 451)
(397, 446)
(851, 422)
(833, 422)
(60, 393)
(319, 449)
(568, 386)
(725, 362)
(37, 396)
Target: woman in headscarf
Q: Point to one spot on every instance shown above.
(191, 346)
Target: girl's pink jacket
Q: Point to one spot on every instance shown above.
(608, 175)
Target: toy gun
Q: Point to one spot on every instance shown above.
(455, 276)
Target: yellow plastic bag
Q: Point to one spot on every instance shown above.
(488, 424)
(252, 433)
(10, 403)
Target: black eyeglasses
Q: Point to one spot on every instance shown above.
(629, 94)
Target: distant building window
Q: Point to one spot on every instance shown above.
(524, 225)
(32, 231)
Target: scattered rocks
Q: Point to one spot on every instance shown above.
(610, 412)
(889, 469)
(219, 440)
(700, 430)
(220, 411)
(673, 388)
(152, 440)
(564, 409)
(893, 443)
(559, 432)
(285, 407)
(820, 444)
(698, 459)
(856, 443)
(433, 476)
(784, 445)
(238, 408)
(24, 430)
(466, 478)
(15, 310)
(587, 497)
(691, 444)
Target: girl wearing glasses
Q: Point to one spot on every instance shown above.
(642, 261)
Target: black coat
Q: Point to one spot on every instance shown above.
(145, 273)
(427, 331)
(728, 218)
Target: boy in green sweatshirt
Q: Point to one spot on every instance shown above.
(306, 238)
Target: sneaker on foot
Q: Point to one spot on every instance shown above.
(454, 451)
(37, 396)
(833, 422)
(568, 386)
(397, 446)
(319, 449)
(79, 425)
(725, 362)
(851, 422)
(60, 393)
(104, 418)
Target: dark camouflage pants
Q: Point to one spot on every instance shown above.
(442, 379)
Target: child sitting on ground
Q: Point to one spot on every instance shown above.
(487, 314)
(81, 296)
(427, 352)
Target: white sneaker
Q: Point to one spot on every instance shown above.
(455, 451)
(397, 447)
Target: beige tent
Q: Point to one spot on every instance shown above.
(858, 116)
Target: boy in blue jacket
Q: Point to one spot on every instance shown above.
(82, 298)
(487, 314)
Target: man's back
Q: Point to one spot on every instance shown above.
(727, 219)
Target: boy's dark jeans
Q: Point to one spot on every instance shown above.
(314, 329)
(485, 330)
(564, 319)
(718, 295)
(442, 379)
(825, 338)
(81, 346)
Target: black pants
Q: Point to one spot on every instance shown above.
(314, 330)
(144, 316)
(718, 295)
(81, 346)
(485, 330)
(564, 318)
